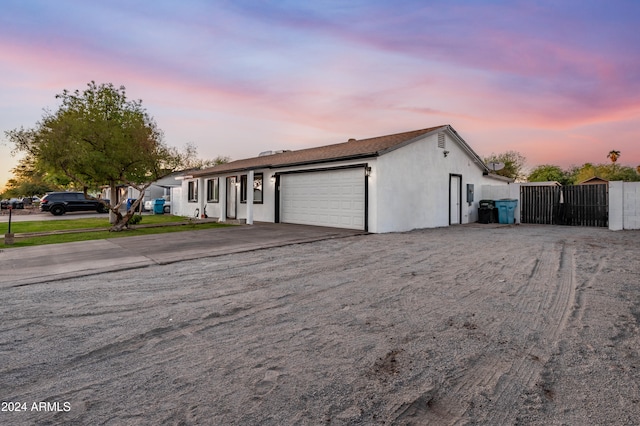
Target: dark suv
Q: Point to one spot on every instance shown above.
(58, 203)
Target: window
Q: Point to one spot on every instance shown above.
(257, 188)
(193, 191)
(213, 190)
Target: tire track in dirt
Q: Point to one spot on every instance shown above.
(402, 329)
(543, 305)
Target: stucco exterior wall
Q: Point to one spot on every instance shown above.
(413, 185)
(631, 208)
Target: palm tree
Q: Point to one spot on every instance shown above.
(613, 155)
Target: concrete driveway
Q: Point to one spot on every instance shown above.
(32, 265)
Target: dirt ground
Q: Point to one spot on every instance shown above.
(475, 324)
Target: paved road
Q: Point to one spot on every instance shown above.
(32, 265)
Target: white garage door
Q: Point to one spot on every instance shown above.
(325, 198)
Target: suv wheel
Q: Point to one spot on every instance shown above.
(101, 208)
(57, 210)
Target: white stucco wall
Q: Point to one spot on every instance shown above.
(500, 191)
(631, 208)
(413, 185)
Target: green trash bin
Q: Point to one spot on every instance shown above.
(158, 206)
(506, 210)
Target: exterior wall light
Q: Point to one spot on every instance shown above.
(445, 153)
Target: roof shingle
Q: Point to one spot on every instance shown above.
(346, 150)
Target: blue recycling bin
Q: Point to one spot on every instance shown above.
(158, 206)
(506, 210)
(130, 202)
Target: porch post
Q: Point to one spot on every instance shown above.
(202, 193)
(222, 198)
(249, 189)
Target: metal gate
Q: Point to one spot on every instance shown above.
(575, 205)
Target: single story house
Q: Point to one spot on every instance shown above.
(418, 179)
(160, 188)
(545, 183)
(595, 180)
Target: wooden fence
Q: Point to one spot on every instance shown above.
(575, 205)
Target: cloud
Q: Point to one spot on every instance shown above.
(306, 72)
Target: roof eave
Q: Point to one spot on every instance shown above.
(214, 172)
(465, 146)
(500, 178)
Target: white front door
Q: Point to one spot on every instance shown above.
(455, 198)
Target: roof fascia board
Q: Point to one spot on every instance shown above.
(213, 172)
(475, 157)
(325, 160)
(500, 178)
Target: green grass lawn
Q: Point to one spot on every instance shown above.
(82, 223)
(95, 224)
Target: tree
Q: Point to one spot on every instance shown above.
(27, 180)
(98, 137)
(548, 172)
(513, 164)
(192, 161)
(613, 155)
(606, 171)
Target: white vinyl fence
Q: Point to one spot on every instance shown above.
(624, 205)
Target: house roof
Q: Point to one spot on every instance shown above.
(352, 149)
(545, 183)
(594, 179)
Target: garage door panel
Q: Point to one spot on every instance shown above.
(324, 198)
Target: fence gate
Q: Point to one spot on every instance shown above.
(575, 205)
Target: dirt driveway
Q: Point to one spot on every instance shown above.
(473, 324)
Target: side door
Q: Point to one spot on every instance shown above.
(455, 199)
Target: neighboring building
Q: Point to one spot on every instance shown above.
(545, 183)
(594, 181)
(420, 179)
(158, 189)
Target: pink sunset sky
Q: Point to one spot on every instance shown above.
(558, 82)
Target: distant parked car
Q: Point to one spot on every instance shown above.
(16, 203)
(4, 204)
(59, 203)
